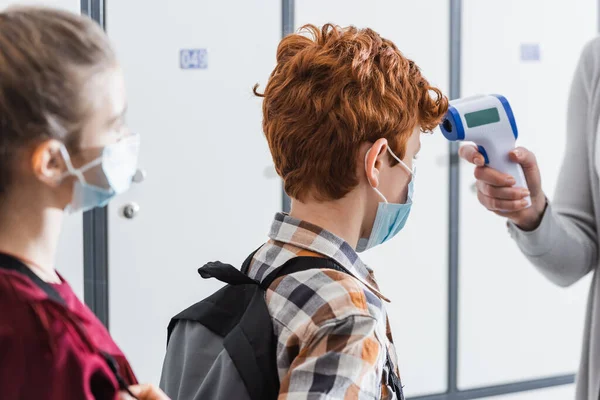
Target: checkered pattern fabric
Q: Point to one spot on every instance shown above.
(332, 328)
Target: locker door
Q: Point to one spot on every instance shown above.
(514, 324)
(69, 261)
(210, 191)
(412, 268)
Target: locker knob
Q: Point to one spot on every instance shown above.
(140, 176)
(130, 210)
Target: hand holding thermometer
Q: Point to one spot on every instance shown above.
(488, 121)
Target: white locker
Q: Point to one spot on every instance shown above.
(556, 393)
(210, 191)
(69, 261)
(514, 324)
(412, 268)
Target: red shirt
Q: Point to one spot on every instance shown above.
(49, 351)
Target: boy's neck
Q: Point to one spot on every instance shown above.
(341, 217)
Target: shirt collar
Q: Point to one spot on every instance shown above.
(307, 236)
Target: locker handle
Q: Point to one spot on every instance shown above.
(130, 211)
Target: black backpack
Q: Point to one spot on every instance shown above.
(224, 347)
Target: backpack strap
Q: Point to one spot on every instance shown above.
(393, 380)
(246, 265)
(114, 368)
(11, 263)
(299, 264)
(229, 274)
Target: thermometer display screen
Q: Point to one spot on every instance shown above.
(482, 117)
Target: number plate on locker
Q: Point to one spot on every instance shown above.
(193, 59)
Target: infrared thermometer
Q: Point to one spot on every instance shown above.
(488, 121)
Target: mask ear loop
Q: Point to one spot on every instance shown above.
(78, 173)
(374, 188)
(411, 172)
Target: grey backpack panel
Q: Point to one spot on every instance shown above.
(198, 367)
(227, 350)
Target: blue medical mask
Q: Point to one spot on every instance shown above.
(391, 217)
(118, 164)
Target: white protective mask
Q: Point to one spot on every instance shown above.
(118, 165)
(390, 217)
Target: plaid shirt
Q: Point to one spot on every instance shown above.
(332, 328)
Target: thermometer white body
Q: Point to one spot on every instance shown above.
(488, 121)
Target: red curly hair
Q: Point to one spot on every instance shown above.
(333, 90)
